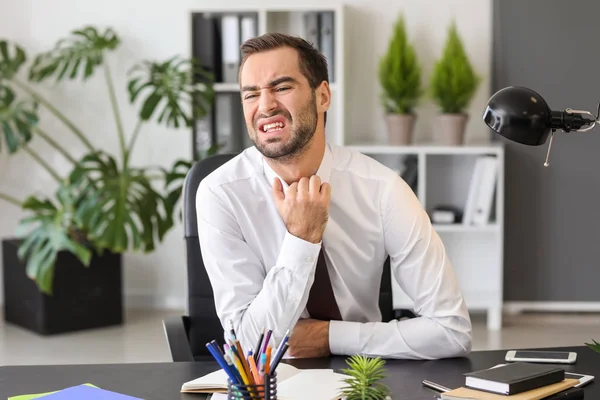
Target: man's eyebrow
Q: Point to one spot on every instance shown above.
(274, 82)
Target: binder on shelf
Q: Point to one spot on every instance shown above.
(247, 28)
(481, 191)
(231, 133)
(206, 47)
(326, 41)
(230, 33)
(319, 30)
(311, 28)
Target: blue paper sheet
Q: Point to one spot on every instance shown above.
(87, 393)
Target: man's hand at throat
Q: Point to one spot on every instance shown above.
(309, 339)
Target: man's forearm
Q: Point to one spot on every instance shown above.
(417, 338)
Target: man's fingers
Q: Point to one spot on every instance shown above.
(278, 190)
(315, 184)
(303, 185)
(326, 189)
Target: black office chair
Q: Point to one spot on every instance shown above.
(187, 335)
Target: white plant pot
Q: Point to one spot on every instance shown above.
(450, 129)
(400, 128)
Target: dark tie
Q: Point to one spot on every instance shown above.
(321, 301)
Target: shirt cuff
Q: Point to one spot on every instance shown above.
(344, 337)
(295, 252)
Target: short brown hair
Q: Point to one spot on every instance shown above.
(313, 64)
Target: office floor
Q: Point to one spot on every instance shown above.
(141, 339)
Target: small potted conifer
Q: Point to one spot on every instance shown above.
(453, 85)
(400, 78)
(364, 379)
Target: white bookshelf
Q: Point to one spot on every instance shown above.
(444, 172)
(476, 252)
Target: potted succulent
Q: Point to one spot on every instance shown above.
(364, 379)
(400, 79)
(63, 271)
(594, 346)
(453, 85)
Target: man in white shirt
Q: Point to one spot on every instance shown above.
(267, 217)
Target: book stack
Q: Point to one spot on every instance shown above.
(516, 381)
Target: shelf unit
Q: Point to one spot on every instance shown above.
(476, 252)
(225, 125)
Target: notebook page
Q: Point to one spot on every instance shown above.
(218, 379)
(312, 384)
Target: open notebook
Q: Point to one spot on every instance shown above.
(292, 383)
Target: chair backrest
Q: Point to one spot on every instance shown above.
(204, 322)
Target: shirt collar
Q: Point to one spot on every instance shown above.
(324, 171)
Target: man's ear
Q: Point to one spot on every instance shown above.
(323, 97)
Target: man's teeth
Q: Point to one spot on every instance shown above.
(274, 125)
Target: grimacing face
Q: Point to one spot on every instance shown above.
(280, 108)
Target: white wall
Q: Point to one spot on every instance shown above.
(157, 30)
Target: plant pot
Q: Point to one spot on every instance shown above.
(400, 128)
(450, 129)
(83, 297)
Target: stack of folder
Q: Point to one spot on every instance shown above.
(516, 381)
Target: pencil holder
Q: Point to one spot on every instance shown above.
(266, 391)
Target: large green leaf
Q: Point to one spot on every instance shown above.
(79, 54)
(175, 178)
(12, 57)
(17, 120)
(122, 210)
(54, 230)
(178, 89)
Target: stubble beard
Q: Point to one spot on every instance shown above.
(300, 135)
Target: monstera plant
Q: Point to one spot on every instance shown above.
(104, 202)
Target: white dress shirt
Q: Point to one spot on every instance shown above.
(261, 274)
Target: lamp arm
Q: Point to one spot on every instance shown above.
(591, 123)
(571, 120)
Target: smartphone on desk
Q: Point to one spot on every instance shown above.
(541, 356)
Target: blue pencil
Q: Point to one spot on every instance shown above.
(221, 361)
(280, 347)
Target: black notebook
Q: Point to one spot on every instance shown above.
(514, 378)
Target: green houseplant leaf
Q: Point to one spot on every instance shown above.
(365, 374)
(78, 55)
(400, 73)
(454, 82)
(12, 57)
(56, 228)
(594, 346)
(17, 120)
(123, 210)
(177, 89)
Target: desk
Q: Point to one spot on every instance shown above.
(162, 381)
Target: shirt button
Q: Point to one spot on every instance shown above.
(309, 259)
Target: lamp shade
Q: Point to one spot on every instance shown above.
(519, 114)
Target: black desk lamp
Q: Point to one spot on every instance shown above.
(523, 116)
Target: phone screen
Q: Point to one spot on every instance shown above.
(542, 354)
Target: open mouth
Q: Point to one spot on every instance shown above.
(271, 125)
(274, 127)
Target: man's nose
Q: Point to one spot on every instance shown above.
(267, 102)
